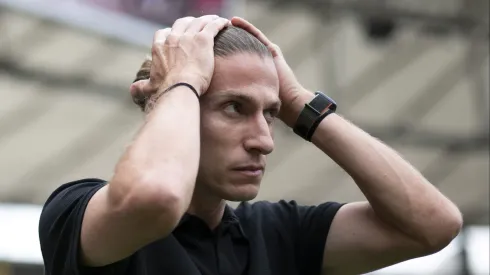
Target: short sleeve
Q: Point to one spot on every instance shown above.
(60, 226)
(309, 227)
(313, 223)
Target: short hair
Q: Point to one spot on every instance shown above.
(229, 41)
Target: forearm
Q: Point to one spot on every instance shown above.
(161, 163)
(397, 192)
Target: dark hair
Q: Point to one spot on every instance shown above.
(229, 41)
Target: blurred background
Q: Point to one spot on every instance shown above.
(413, 73)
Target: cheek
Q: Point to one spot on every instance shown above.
(216, 124)
(215, 132)
(220, 138)
(216, 146)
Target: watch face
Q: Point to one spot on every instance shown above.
(330, 104)
(331, 100)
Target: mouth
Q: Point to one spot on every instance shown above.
(250, 170)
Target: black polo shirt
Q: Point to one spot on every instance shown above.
(260, 238)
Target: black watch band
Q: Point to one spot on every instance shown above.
(312, 114)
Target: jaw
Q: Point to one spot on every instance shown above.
(236, 192)
(240, 191)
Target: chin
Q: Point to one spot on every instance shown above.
(240, 193)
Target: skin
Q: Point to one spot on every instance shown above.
(242, 101)
(154, 180)
(404, 216)
(193, 171)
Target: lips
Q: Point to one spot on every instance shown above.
(250, 170)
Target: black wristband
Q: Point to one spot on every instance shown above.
(317, 122)
(183, 84)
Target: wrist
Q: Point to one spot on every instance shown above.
(198, 84)
(167, 88)
(293, 108)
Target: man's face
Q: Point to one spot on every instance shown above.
(237, 113)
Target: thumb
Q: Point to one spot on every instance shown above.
(141, 92)
(140, 88)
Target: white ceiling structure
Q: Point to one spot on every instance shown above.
(65, 112)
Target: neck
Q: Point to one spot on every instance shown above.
(210, 209)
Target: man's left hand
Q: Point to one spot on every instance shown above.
(292, 94)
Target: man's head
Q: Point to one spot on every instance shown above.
(236, 116)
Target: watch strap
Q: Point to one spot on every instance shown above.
(313, 110)
(317, 122)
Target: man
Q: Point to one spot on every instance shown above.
(204, 141)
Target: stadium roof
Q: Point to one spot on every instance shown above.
(65, 111)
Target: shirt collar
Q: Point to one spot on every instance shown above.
(229, 219)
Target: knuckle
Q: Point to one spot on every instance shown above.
(186, 37)
(213, 26)
(185, 19)
(275, 48)
(216, 23)
(163, 32)
(161, 35)
(172, 39)
(223, 22)
(202, 38)
(157, 46)
(210, 16)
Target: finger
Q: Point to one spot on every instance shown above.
(138, 95)
(161, 35)
(215, 26)
(181, 24)
(199, 24)
(244, 24)
(139, 88)
(250, 28)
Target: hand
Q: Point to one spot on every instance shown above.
(291, 92)
(183, 53)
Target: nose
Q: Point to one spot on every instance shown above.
(259, 137)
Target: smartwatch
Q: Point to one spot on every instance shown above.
(312, 114)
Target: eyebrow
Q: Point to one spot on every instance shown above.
(275, 102)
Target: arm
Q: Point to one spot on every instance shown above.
(405, 216)
(151, 187)
(154, 180)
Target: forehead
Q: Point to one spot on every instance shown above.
(245, 73)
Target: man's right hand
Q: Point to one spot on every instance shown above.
(183, 53)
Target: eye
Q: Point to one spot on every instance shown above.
(233, 108)
(270, 115)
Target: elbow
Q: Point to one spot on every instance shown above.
(164, 210)
(444, 233)
(151, 201)
(162, 205)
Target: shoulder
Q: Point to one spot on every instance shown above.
(60, 224)
(69, 195)
(68, 199)
(75, 188)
